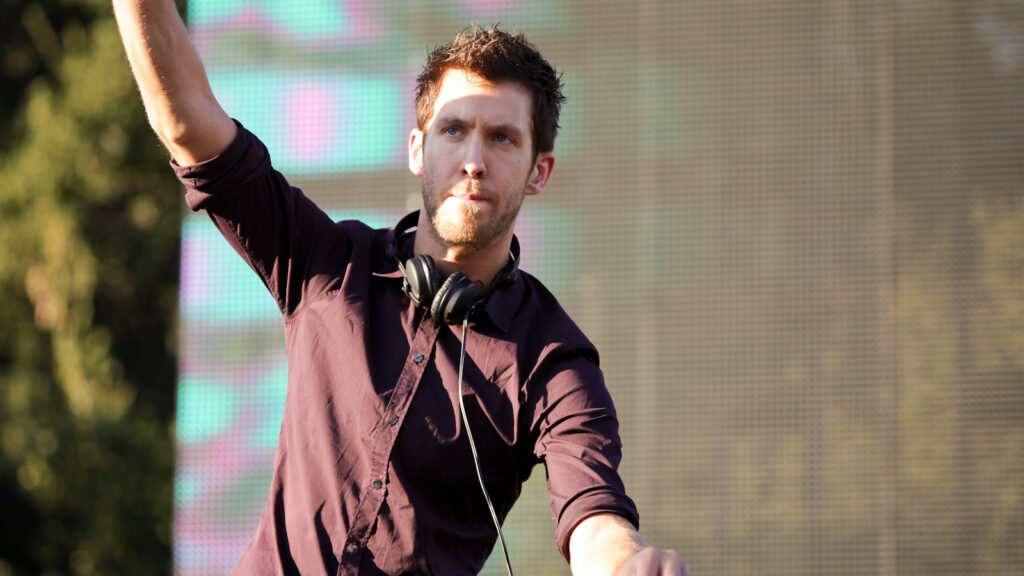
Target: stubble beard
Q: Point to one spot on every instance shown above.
(459, 225)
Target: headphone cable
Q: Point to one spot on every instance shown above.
(472, 444)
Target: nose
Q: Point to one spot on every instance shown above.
(473, 164)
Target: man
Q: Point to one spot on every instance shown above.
(374, 471)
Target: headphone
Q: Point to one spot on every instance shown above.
(448, 301)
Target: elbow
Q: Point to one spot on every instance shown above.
(180, 140)
(195, 136)
(172, 132)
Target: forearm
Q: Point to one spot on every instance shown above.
(600, 544)
(175, 91)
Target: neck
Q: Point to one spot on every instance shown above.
(479, 263)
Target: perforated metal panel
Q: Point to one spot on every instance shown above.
(793, 229)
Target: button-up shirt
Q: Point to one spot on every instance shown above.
(373, 471)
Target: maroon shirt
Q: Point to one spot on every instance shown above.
(373, 472)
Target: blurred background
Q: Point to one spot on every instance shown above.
(795, 231)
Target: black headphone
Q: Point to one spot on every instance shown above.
(447, 301)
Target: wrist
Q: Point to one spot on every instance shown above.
(601, 544)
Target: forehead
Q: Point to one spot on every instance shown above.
(471, 98)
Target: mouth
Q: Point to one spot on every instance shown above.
(471, 192)
(467, 205)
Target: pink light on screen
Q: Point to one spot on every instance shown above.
(193, 287)
(366, 25)
(309, 109)
(488, 8)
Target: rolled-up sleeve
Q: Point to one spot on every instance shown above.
(577, 438)
(234, 171)
(287, 240)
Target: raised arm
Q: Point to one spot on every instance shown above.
(175, 91)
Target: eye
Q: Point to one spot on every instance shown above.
(451, 131)
(502, 138)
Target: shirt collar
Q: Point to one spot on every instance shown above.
(382, 264)
(499, 307)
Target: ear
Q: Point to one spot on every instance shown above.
(541, 173)
(416, 151)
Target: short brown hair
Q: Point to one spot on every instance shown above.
(496, 56)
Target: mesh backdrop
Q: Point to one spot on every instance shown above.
(793, 229)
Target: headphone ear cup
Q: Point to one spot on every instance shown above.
(508, 277)
(421, 279)
(453, 298)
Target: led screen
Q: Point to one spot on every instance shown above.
(792, 229)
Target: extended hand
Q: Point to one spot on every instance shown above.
(603, 541)
(651, 561)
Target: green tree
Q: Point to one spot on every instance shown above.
(89, 224)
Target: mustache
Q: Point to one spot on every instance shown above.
(469, 187)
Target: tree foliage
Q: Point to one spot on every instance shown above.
(88, 278)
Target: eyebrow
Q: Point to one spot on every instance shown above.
(449, 121)
(510, 129)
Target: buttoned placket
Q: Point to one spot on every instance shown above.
(385, 433)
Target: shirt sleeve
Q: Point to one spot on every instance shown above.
(577, 438)
(292, 245)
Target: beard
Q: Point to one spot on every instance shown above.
(461, 224)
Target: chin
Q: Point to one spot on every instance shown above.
(457, 234)
(454, 219)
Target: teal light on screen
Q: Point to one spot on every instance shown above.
(205, 409)
(318, 123)
(271, 388)
(186, 488)
(314, 19)
(217, 286)
(205, 12)
(319, 19)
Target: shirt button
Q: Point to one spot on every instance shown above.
(393, 420)
(377, 484)
(352, 548)
(418, 358)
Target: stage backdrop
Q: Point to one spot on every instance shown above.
(794, 230)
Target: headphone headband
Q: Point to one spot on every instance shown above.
(407, 222)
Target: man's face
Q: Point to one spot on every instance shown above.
(476, 159)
